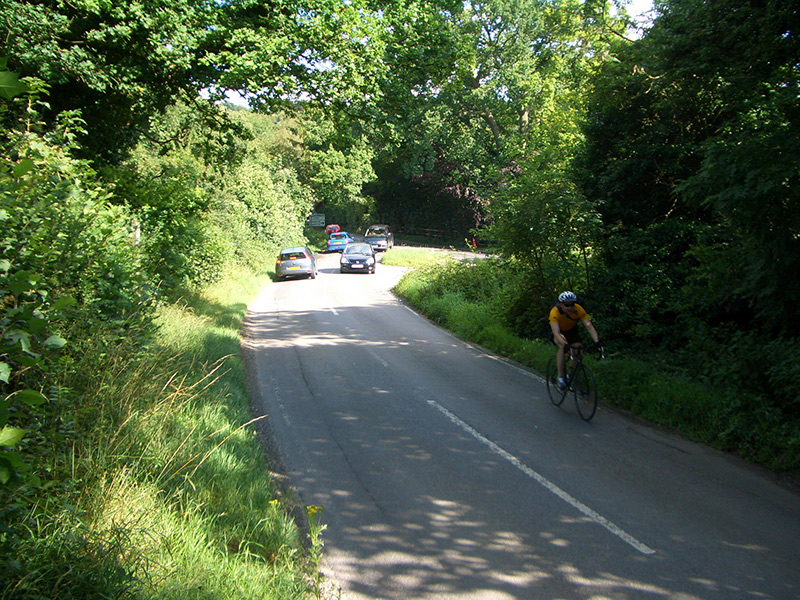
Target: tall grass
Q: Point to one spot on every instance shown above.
(168, 494)
(467, 299)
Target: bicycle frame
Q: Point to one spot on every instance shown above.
(579, 381)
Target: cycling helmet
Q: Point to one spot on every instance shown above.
(567, 297)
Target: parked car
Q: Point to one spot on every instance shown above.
(332, 228)
(295, 262)
(337, 241)
(357, 257)
(379, 237)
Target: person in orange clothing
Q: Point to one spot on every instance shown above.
(564, 316)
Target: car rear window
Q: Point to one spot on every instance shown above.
(338, 236)
(293, 255)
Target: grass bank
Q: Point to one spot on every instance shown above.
(466, 298)
(164, 492)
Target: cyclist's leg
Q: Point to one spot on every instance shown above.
(559, 344)
(574, 340)
(556, 392)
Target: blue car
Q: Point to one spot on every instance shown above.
(337, 241)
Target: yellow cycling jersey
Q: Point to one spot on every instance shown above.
(565, 321)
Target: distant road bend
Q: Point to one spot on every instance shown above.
(444, 472)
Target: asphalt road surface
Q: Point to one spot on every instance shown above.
(445, 472)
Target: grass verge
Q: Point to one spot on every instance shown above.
(413, 257)
(167, 494)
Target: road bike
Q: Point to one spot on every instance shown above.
(579, 380)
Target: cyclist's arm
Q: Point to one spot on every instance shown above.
(552, 319)
(592, 331)
(558, 338)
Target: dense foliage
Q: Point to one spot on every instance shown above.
(691, 163)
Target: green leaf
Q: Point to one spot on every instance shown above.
(10, 85)
(23, 338)
(22, 281)
(12, 460)
(30, 397)
(9, 463)
(11, 436)
(5, 372)
(27, 361)
(36, 325)
(64, 302)
(22, 167)
(55, 341)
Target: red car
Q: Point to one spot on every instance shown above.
(332, 228)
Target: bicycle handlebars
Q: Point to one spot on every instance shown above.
(596, 346)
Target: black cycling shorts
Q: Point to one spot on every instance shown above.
(572, 335)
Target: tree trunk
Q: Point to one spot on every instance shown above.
(490, 120)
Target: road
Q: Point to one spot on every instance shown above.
(444, 471)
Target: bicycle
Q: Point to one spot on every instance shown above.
(579, 379)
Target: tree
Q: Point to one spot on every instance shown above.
(697, 123)
(744, 57)
(502, 93)
(123, 63)
(692, 163)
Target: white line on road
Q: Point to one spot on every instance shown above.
(376, 357)
(574, 502)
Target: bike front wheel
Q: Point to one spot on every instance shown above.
(556, 394)
(585, 389)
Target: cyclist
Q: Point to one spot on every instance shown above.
(564, 317)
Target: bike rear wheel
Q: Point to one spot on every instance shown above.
(556, 394)
(585, 389)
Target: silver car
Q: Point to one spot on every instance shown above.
(296, 262)
(379, 237)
